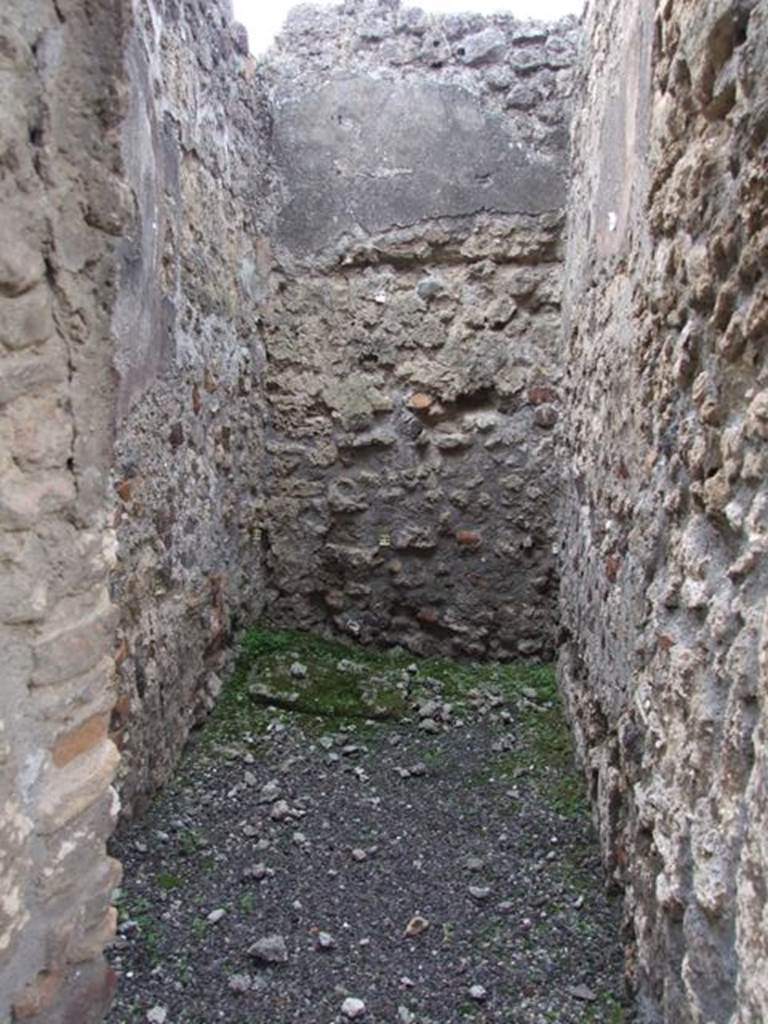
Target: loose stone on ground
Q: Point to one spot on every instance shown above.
(454, 889)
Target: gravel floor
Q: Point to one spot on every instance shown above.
(418, 870)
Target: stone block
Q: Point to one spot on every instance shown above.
(414, 537)
(66, 704)
(21, 264)
(99, 895)
(90, 945)
(74, 648)
(38, 996)
(84, 995)
(451, 442)
(43, 432)
(522, 97)
(23, 589)
(482, 47)
(67, 792)
(26, 321)
(24, 372)
(757, 416)
(79, 740)
(345, 495)
(26, 498)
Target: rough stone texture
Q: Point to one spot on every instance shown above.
(665, 667)
(412, 330)
(361, 155)
(386, 117)
(128, 511)
(258, 345)
(190, 410)
(62, 204)
(410, 453)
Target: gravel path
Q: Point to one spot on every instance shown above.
(426, 869)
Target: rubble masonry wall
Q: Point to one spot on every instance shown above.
(665, 511)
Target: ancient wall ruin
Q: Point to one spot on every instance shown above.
(190, 413)
(63, 205)
(412, 330)
(664, 572)
(165, 449)
(286, 337)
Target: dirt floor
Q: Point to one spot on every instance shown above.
(357, 836)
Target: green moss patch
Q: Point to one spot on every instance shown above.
(283, 671)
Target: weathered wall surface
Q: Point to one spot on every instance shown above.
(190, 413)
(130, 426)
(306, 353)
(62, 204)
(664, 572)
(412, 332)
(386, 117)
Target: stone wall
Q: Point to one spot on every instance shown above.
(132, 140)
(665, 665)
(287, 336)
(189, 407)
(62, 206)
(412, 330)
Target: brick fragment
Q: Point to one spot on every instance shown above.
(77, 741)
(469, 538)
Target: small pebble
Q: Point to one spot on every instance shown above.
(216, 915)
(280, 811)
(269, 792)
(240, 982)
(256, 872)
(478, 993)
(416, 926)
(271, 949)
(479, 892)
(582, 992)
(353, 1008)
(429, 725)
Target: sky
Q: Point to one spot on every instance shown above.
(264, 18)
